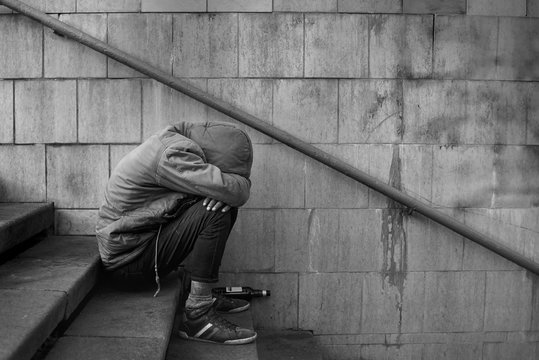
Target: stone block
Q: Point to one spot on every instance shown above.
(533, 8)
(251, 245)
(48, 6)
(497, 113)
(404, 352)
(497, 8)
(392, 302)
(434, 6)
(148, 37)
(108, 5)
(280, 310)
(472, 112)
(465, 47)
(515, 168)
(336, 36)
(463, 176)
(60, 6)
(454, 301)
(163, 106)
(307, 109)
(533, 115)
(23, 39)
(278, 178)
(240, 5)
(205, 45)
(525, 218)
(75, 222)
(400, 46)
(370, 111)
(251, 95)
(359, 240)
(23, 173)
(507, 301)
(518, 49)
(515, 236)
(46, 111)
(117, 152)
(25, 312)
(433, 247)
(327, 188)
(6, 112)
(77, 175)
(109, 111)
(370, 6)
(453, 351)
(305, 5)
(477, 257)
(305, 240)
(416, 166)
(66, 58)
(338, 294)
(173, 6)
(434, 111)
(505, 350)
(271, 45)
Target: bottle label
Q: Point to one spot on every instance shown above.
(233, 289)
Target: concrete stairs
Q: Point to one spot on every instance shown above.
(54, 306)
(42, 278)
(121, 325)
(21, 221)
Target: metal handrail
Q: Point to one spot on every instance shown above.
(280, 135)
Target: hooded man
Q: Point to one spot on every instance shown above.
(177, 195)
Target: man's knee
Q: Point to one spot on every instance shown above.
(210, 217)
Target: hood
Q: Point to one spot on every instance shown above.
(224, 145)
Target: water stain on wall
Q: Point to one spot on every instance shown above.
(393, 237)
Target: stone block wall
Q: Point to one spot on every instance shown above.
(437, 98)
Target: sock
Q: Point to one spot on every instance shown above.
(199, 300)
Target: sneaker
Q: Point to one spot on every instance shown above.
(227, 305)
(211, 327)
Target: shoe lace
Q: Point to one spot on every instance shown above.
(223, 299)
(220, 321)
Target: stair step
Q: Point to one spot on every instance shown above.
(287, 345)
(195, 350)
(20, 221)
(120, 325)
(40, 288)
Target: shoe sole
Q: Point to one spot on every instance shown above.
(236, 310)
(248, 340)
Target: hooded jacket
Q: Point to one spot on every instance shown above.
(155, 182)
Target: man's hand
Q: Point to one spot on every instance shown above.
(214, 205)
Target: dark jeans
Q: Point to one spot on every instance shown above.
(197, 233)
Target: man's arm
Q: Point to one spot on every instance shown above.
(184, 171)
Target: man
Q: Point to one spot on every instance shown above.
(177, 195)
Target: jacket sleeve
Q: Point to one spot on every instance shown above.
(185, 171)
